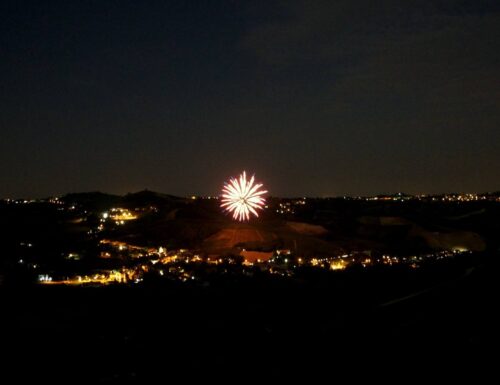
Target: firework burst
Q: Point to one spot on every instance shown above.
(242, 197)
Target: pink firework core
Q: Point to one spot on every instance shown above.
(242, 197)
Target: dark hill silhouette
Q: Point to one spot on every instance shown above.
(347, 225)
(147, 197)
(94, 200)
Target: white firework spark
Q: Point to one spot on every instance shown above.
(242, 197)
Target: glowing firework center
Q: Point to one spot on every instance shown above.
(242, 197)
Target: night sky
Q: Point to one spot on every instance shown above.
(318, 98)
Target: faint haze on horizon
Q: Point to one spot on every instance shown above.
(217, 194)
(321, 98)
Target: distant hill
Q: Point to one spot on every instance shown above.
(99, 201)
(94, 200)
(147, 197)
(320, 227)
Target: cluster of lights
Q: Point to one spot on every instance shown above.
(283, 263)
(118, 215)
(103, 278)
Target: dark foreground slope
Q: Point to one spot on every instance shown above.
(439, 322)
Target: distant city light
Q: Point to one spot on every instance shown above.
(242, 197)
